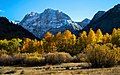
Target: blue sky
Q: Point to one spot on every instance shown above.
(76, 9)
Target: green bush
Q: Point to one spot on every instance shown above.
(11, 46)
(102, 55)
(57, 58)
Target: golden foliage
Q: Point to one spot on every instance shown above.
(91, 39)
(102, 55)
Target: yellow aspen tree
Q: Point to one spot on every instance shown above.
(114, 32)
(58, 38)
(58, 35)
(38, 45)
(83, 37)
(73, 39)
(48, 36)
(115, 38)
(106, 38)
(91, 39)
(67, 34)
(49, 45)
(81, 41)
(66, 37)
(99, 36)
(28, 46)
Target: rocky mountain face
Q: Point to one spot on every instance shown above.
(84, 23)
(106, 21)
(50, 20)
(8, 30)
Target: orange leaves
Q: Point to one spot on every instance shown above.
(67, 34)
(48, 36)
(37, 43)
(31, 45)
(26, 44)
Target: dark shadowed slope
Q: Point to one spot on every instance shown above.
(8, 30)
(106, 21)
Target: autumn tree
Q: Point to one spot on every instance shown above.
(38, 46)
(48, 36)
(66, 42)
(91, 39)
(58, 38)
(11, 46)
(102, 55)
(115, 38)
(28, 46)
(106, 38)
(114, 31)
(99, 36)
(82, 41)
(49, 42)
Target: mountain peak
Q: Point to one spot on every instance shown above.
(98, 15)
(33, 14)
(86, 20)
(100, 12)
(117, 6)
(50, 10)
(54, 14)
(49, 20)
(106, 21)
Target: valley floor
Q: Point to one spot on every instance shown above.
(64, 69)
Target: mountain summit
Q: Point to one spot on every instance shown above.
(106, 21)
(50, 20)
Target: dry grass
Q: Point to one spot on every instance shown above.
(59, 70)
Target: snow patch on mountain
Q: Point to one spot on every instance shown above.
(49, 20)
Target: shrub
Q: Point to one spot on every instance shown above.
(57, 58)
(22, 60)
(102, 55)
(11, 46)
(5, 60)
(79, 58)
(18, 59)
(34, 62)
(34, 59)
